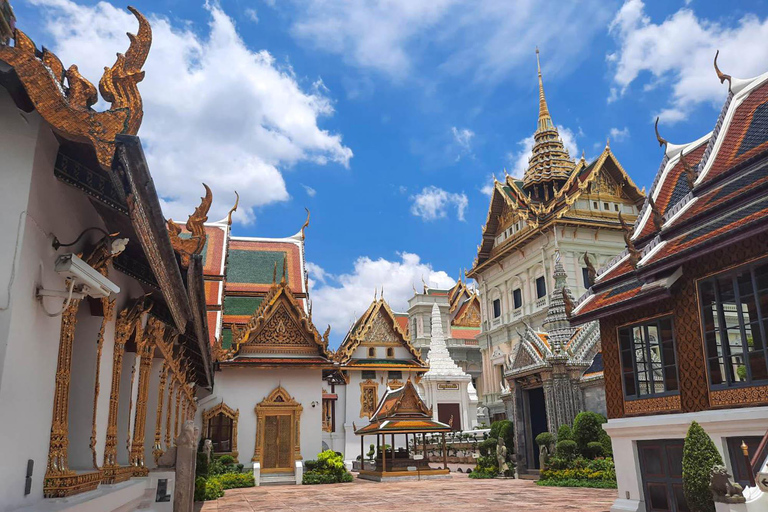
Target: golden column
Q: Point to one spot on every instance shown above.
(168, 413)
(157, 449)
(126, 323)
(108, 307)
(179, 393)
(145, 351)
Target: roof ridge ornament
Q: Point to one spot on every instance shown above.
(658, 220)
(305, 225)
(194, 244)
(68, 108)
(591, 272)
(662, 141)
(233, 209)
(634, 254)
(722, 76)
(690, 172)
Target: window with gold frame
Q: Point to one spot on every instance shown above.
(369, 398)
(220, 426)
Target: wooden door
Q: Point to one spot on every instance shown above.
(661, 467)
(450, 413)
(278, 443)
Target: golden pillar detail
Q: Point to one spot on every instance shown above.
(108, 307)
(168, 410)
(157, 449)
(145, 351)
(124, 327)
(60, 481)
(176, 413)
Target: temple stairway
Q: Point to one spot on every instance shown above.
(278, 479)
(531, 474)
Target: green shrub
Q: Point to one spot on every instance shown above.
(545, 439)
(488, 447)
(586, 428)
(564, 433)
(605, 440)
(579, 469)
(201, 469)
(506, 430)
(593, 450)
(236, 480)
(566, 449)
(329, 468)
(207, 489)
(483, 473)
(699, 457)
(227, 459)
(596, 484)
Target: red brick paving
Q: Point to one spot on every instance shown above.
(456, 493)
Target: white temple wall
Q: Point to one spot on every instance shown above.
(244, 388)
(126, 401)
(361, 352)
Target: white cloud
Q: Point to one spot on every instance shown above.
(678, 52)
(205, 122)
(252, 15)
(432, 203)
(487, 189)
(487, 39)
(309, 190)
(518, 160)
(338, 300)
(619, 135)
(462, 137)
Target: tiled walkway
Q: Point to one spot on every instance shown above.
(456, 493)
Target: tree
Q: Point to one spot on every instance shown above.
(586, 428)
(699, 457)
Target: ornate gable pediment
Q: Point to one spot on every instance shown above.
(279, 326)
(470, 317)
(382, 331)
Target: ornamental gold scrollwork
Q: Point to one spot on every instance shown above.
(369, 398)
(68, 108)
(193, 244)
(157, 449)
(108, 307)
(652, 405)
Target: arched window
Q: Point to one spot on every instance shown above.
(371, 352)
(220, 426)
(390, 352)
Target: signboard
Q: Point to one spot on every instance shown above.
(418, 457)
(762, 481)
(447, 386)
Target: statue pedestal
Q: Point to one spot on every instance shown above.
(163, 481)
(730, 507)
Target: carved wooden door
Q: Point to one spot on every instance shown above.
(278, 443)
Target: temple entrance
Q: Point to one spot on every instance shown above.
(277, 432)
(661, 468)
(537, 420)
(278, 446)
(450, 414)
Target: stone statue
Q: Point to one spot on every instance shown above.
(723, 490)
(543, 456)
(186, 459)
(168, 458)
(208, 449)
(501, 457)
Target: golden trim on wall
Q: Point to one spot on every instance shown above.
(279, 403)
(737, 397)
(651, 405)
(109, 314)
(145, 350)
(395, 384)
(157, 449)
(227, 411)
(369, 398)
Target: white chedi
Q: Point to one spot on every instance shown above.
(439, 359)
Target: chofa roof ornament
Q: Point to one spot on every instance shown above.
(722, 76)
(67, 108)
(193, 244)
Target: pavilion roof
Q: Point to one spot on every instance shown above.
(402, 411)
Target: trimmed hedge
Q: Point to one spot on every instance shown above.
(596, 484)
(235, 480)
(564, 433)
(566, 449)
(586, 428)
(699, 457)
(545, 439)
(329, 468)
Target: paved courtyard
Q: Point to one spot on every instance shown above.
(456, 493)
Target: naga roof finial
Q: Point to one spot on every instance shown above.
(690, 172)
(658, 220)
(591, 272)
(305, 225)
(194, 244)
(233, 209)
(662, 140)
(722, 76)
(634, 254)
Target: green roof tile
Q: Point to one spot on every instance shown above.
(241, 305)
(255, 267)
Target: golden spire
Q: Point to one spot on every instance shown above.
(545, 120)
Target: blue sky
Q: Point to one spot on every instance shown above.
(388, 118)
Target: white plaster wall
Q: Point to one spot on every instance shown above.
(244, 388)
(626, 432)
(361, 352)
(126, 401)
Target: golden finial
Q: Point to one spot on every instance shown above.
(607, 143)
(582, 155)
(282, 280)
(234, 208)
(662, 140)
(189, 246)
(306, 224)
(274, 274)
(375, 294)
(545, 122)
(382, 292)
(722, 76)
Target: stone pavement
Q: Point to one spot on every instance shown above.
(457, 493)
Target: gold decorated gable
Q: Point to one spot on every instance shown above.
(64, 98)
(470, 316)
(376, 327)
(278, 326)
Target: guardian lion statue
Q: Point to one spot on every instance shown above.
(723, 490)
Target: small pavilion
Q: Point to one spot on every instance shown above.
(402, 412)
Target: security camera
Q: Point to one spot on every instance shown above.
(85, 277)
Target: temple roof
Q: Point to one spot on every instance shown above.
(402, 410)
(379, 325)
(549, 158)
(727, 203)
